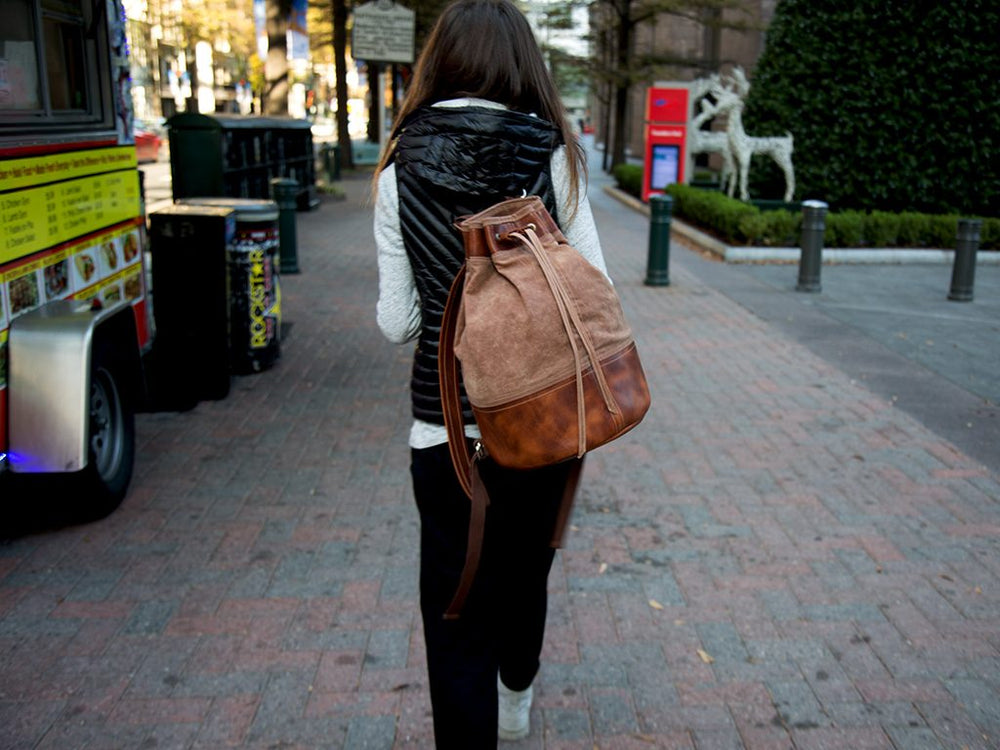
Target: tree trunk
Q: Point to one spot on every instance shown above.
(606, 127)
(607, 96)
(622, 87)
(374, 102)
(713, 39)
(393, 83)
(191, 102)
(340, 63)
(276, 66)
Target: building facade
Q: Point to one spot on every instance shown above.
(190, 55)
(668, 47)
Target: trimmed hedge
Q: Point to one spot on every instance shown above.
(739, 223)
(893, 105)
(629, 178)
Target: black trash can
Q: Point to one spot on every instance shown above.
(190, 247)
(254, 285)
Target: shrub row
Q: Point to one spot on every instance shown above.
(628, 178)
(739, 223)
(902, 78)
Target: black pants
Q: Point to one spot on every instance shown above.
(503, 622)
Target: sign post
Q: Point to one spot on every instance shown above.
(383, 33)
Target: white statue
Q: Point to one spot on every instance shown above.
(729, 99)
(709, 141)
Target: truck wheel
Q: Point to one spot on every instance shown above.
(111, 454)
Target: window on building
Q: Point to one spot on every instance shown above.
(19, 82)
(64, 59)
(50, 67)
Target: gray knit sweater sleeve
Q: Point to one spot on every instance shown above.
(578, 227)
(398, 308)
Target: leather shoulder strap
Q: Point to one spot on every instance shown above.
(474, 546)
(448, 376)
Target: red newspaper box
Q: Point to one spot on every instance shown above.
(666, 154)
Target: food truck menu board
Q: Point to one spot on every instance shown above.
(53, 198)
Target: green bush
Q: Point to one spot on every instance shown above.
(754, 228)
(739, 223)
(881, 229)
(846, 229)
(779, 228)
(912, 229)
(941, 231)
(782, 228)
(892, 104)
(713, 210)
(628, 177)
(989, 234)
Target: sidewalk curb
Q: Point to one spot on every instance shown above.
(740, 254)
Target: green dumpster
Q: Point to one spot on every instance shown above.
(238, 156)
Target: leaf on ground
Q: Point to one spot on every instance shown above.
(705, 656)
(655, 604)
(603, 568)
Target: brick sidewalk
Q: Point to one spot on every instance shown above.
(775, 558)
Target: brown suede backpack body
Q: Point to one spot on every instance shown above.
(548, 361)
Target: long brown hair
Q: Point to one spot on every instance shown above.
(486, 49)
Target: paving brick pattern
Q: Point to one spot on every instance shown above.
(776, 558)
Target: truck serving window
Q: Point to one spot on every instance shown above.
(50, 53)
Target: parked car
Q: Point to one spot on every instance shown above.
(147, 143)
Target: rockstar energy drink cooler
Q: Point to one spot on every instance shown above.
(255, 296)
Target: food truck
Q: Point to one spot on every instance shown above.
(74, 313)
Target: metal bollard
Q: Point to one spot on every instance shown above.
(658, 259)
(284, 192)
(811, 259)
(335, 162)
(330, 158)
(963, 272)
(324, 159)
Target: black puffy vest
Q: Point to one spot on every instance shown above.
(452, 162)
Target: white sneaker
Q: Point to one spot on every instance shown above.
(514, 712)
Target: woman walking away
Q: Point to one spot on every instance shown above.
(482, 121)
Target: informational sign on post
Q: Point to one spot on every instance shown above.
(383, 32)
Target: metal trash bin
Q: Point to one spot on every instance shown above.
(238, 155)
(189, 248)
(254, 285)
